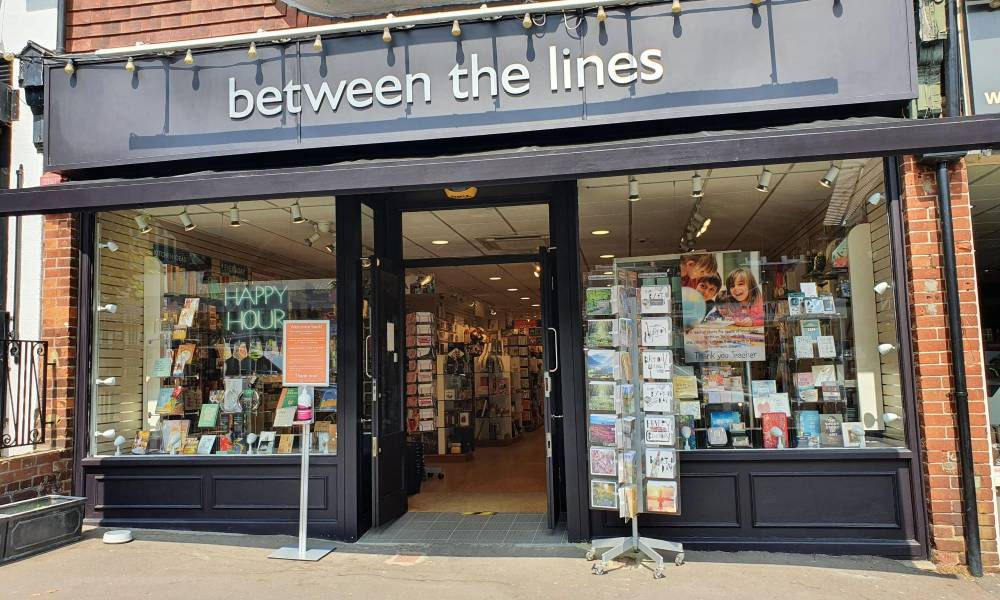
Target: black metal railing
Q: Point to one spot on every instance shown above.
(24, 379)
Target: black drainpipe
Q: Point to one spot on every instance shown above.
(60, 26)
(960, 393)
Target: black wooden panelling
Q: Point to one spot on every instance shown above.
(148, 491)
(825, 499)
(267, 492)
(707, 500)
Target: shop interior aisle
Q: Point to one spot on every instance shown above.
(504, 479)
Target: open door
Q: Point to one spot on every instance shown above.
(384, 374)
(553, 398)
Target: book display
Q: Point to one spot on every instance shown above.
(631, 414)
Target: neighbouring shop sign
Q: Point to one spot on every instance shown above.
(984, 48)
(643, 63)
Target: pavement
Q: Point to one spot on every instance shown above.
(192, 566)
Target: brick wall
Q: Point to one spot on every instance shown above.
(932, 363)
(94, 24)
(48, 469)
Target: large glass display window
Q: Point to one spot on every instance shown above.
(190, 305)
(765, 304)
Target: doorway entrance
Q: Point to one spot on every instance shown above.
(460, 358)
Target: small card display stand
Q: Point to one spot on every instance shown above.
(632, 429)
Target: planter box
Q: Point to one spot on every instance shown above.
(37, 525)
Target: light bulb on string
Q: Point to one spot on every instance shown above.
(386, 35)
(601, 15)
(130, 65)
(70, 68)
(318, 43)
(526, 22)
(456, 30)
(252, 50)
(676, 8)
(189, 58)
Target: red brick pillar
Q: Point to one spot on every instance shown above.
(932, 363)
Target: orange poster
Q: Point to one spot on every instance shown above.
(307, 353)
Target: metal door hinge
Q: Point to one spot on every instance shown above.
(374, 446)
(548, 445)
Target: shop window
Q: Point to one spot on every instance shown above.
(778, 325)
(190, 307)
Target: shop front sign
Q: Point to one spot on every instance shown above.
(984, 48)
(641, 64)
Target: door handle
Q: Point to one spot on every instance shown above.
(368, 373)
(554, 416)
(555, 350)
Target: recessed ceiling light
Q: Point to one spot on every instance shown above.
(607, 256)
(600, 232)
(439, 242)
(525, 298)
(511, 289)
(495, 278)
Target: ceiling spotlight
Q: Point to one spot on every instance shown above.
(69, 68)
(142, 222)
(297, 213)
(318, 43)
(889, 417)
(189, 58)
(886, 348)
(456, 30)
(107, 434)
(525, 298)
(312, 239)
(186, 221)
(330, 248)
(495, 278)
(511, 289)
(535, 305)
(607, 256)
(601, 15)
(600, 232)
(875, 199)
(526, 22)
(108, 308)
(696, 186)
(831, 176)
(130, 65)
(111, 245)
(764, 180)
(633, 189)
(234, 215)
(882, 287)
(106, 381)
(676, 8)
(252, 50)
(704, 228)
(439, 242)
(426, 279)
(386, 35)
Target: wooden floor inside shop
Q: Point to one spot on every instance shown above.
(504, 479)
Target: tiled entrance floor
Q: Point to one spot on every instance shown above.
(439, 528)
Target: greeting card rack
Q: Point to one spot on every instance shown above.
(630, 410)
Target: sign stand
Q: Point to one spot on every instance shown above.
(637, 545)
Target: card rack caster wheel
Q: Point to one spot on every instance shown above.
(679, 559)
(591, 555)
(658, 573)
(599, 569)
(440, 475)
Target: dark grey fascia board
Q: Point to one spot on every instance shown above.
(809, 142)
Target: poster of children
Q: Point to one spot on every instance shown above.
(723, 306)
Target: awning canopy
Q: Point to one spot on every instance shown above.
(824, 140)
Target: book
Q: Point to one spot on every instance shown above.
(185, 354)
(173, 433)
(141, 443)
(598, 301)
(209, 415)
(161, 367)
(284, 413)
(831, 392)
(803, 347)
(808, 289)
(656, 332)
(654, 299)
(831, 433)
(186, 317)
(807, 428)
(824, 374)
(661, 497)
(829, 304)
(661, 463)
(170, 401)
(810, 328)
(265, 445)
(775, 429)
(328, 399)
(205, 444)
(826, 347)
(763, 387)
(771, 403)
(190, 446)
(853, 433)
(813, 306)
(795, 300)
(658, 396)
(660, 430)
(603, 462)
(286, 442)
(724, 419)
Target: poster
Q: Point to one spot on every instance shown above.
(307, 353)
(723, 307)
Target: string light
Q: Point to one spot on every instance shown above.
(252, 50)
(318, 43)
(456, 31)
(601, 15)
(386, 35)
(189, 58)
(69, 68)
(676, 8)
(130, 65)
(526, 22)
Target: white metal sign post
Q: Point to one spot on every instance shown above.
(302, 369)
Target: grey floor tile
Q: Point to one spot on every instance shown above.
(452, 517)
(521, 526)
(520, 537)
(497, 526)
(424, 516)
(465, 536)
(491, 537)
